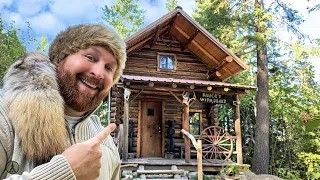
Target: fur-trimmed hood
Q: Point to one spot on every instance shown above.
(35, 105)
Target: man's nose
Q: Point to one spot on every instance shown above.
(98, 70)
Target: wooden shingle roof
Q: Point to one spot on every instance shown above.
(194, 38)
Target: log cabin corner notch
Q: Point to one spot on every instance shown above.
(194, 64)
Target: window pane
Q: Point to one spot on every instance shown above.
(194, 123)
(170, 61)
(166, 62)
(194, 117)
(194, 129)
(163, 62)
(150, 112)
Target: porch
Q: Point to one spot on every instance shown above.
(166, 164)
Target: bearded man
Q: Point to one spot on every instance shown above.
(47, 126)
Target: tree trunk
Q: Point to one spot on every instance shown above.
(261, 148)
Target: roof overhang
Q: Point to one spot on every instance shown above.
(173, 84)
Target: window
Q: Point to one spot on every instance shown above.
(195, 120)
(150, 112)
(166, 61)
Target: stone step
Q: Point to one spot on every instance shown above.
(164, 179)
(160, 172)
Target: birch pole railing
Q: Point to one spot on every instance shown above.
(198, 146)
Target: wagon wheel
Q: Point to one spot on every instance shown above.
(216, 143)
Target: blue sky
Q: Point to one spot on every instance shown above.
(48, 17)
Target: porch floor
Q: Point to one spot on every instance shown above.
(157, 163)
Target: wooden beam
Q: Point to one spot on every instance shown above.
(186, 126)
(163, 127)
(156, 36)
(197, 44)
(136, 95)
(176, 97)
(139, 131)
(214, 75)
(174, 85)
(225, 61)
(199, 160)
(151, 84)
(125, 124)
(190, 39)
(204, 89)
(237, 125)
(140, 44)
(172, 22)
(202, 49)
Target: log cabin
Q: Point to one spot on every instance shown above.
(174, 79)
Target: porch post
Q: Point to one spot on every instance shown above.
(125, 124)
(236, 109)
(185, 126)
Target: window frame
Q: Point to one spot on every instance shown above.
(174, 63)
(200, 120)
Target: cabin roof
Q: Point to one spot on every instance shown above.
(194, 38)
(186, 82)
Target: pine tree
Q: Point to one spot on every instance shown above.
(125, 16)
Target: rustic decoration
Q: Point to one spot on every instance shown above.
(174, 85)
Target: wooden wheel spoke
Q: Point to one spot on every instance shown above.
(211, 135)
(218, 136)
(221, 137)
(215, 152)
(220, 147)
(219, 153)
(207, 139)
(224, 141)
(207, 147)
(225, 144)
(222, 152)
(209, 151)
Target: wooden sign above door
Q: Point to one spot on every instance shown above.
(211, 98)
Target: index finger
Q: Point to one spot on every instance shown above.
(101, 136)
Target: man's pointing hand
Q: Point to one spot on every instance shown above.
(85, 158)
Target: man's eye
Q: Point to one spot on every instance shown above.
(108, 68)
(91, 58)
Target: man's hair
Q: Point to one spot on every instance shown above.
(82, 36)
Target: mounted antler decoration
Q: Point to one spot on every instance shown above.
(186, 98)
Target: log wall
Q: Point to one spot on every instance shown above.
(144, 63)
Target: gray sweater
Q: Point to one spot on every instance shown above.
(15, 165)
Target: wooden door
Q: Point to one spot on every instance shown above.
(151, 123)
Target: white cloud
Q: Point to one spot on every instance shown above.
(76, 11)
(30, 7)
(5, 3)
(12, 17)
(46, 24)
(153, 10)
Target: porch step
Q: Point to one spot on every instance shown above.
(164, 179)
(160, 172)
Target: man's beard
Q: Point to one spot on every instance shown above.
(75, 99)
